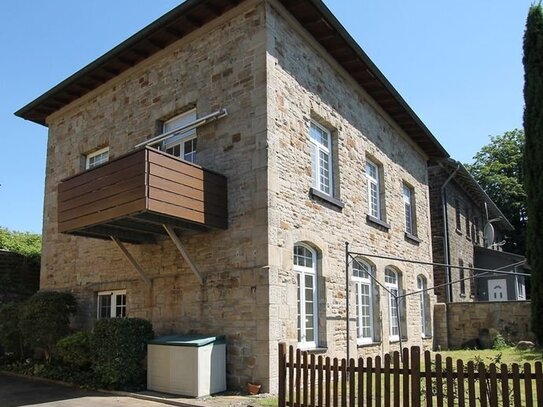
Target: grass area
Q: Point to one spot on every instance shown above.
(271, 401)
(487, 356)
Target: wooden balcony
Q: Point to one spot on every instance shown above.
(133, 196)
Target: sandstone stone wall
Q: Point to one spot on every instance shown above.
(466, 321)
(221, 65)
(304, 84)
(461, 242)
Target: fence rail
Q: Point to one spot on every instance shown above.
(416, 379)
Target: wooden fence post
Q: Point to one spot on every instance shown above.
(282, 374)
(415, 376)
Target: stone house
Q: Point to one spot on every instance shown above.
(461, 234)
(206, 173)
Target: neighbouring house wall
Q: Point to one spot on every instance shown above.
(304, 84)
(19, 277)
(498, 260)
(461, 242)
(467, 321)
(221, 65)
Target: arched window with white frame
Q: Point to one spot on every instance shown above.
(392, 284)
(364, 300)
(305, 266)
(422, 285)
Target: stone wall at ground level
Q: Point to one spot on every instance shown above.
(462, 323)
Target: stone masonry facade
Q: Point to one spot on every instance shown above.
(274, 79)
(465, 224)
(221, 65)
(305, 85)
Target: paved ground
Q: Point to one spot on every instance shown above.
(18, 391)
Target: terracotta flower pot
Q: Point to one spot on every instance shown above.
(253, 388)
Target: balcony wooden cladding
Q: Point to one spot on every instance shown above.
(133, 196)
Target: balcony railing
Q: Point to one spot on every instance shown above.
(133, 196)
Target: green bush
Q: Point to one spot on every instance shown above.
(119, 347)
(500, 342)
(75, 349)
(45, 318)
(10, 335)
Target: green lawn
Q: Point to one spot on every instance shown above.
(487, 356)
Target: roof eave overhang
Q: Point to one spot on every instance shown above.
(313, 15)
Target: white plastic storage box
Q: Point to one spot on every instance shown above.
(187, 365)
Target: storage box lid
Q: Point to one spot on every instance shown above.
(188, 340)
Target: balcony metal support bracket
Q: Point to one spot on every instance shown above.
(132, 261)
(184, 253)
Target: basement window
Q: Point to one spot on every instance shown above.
(111, 304)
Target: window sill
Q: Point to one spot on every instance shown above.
(366, 344)
(459, 231)
(468, 238)
(412, 238)
(426, 336)
(315, 351)
(462, 295)
(377, 222)
(327, 198)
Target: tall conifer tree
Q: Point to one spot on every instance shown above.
(533, 157)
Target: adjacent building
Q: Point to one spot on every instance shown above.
(206, 173)
(468, 230)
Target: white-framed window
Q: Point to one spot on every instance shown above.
(321, 158)
(392, 284)
(364, 300)
(182, 145)
(374, 189)
(97, 158)
(111, 304)
(305, 266)
(408, 209)
(423, 303)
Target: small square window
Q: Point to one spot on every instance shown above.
(111, 304)
(97, 158)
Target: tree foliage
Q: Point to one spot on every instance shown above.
(533, 158)
(45, 318)
(498, 169)
(25, 243)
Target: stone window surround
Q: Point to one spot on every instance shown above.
(318, 148)
(301, 273)
(368, 282)
(113, 294)
(409, 200)
(97, 158)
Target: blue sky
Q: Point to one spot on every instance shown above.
(458, 64)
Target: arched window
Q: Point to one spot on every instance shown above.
(392, 284)
(423, 299)
(305, 266)
(364, 300)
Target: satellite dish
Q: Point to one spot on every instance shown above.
(488, 234)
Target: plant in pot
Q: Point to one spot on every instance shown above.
(253, 388)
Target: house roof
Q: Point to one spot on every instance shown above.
(474, 190)
(193, 14)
